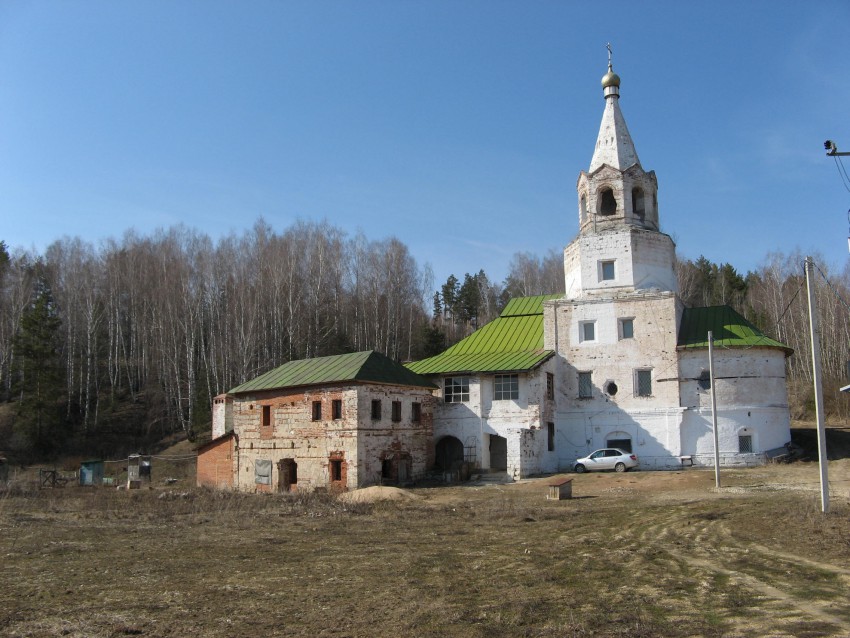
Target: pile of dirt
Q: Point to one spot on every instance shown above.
(377, 493)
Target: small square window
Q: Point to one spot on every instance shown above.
(396, 415)
(376, 409)
(585, 385)
(643, 383)
(317, 410)
(550, 386)
(606, 270)
(456, 390)
(506, 387)
(587, 331)
(267, 415)
(627, 328)
(745, 444)
(336, 409)
(416, 412)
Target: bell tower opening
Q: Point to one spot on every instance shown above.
(607, 202)
(638, 204)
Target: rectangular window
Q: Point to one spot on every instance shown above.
(376, 409)
(587, 331)
(456, 390)
(585, 385)
(416, 412)
(506, 387)
(627, 328)
(606, 270)
(336, 469)
(267, 415)
(336, 409)
(550, 386)
(396, 411)
(550, 436)
(643, 383)
(317, 410)
(745, 444)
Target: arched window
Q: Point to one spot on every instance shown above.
(607, 202)
(638, 205)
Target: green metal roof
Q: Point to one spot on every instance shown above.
(513, 342)
(728, 328)
(368, 366)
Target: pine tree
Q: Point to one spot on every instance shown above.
(40, 374)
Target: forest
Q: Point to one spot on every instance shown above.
(105, 350)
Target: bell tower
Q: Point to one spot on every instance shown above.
(620, 248)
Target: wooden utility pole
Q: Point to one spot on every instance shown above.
(816, 376)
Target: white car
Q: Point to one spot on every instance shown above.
(607, 459)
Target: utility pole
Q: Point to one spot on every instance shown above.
(713, 410)
(816, 376)
(832, 149)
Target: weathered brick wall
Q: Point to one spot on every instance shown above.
(357, 441)
(216, 464)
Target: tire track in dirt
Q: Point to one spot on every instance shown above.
(708, 545)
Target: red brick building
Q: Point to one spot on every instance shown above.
(337, 422)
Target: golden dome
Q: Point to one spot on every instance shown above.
(610, 78)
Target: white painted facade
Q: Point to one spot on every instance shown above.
(620, 378)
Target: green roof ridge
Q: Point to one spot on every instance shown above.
(729, 328)
(366, 366)
(512, 342)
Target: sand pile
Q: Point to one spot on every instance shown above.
(377, 493)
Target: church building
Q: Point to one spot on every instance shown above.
(617, 361)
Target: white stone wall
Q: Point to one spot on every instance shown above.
(522, 422)
(752, 399)
(643, 260)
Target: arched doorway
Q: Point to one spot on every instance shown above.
(449, 454)
(619, 440)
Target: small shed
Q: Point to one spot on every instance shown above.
(91, 472)
(560, 489)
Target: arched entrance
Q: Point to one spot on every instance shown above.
(619, 440)
(449, 454)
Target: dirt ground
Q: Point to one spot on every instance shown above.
(634, 554)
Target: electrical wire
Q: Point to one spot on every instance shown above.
(842, 173)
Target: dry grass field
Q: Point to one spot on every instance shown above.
(636, 554)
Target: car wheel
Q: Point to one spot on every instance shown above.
(580, 469)
(620, 467)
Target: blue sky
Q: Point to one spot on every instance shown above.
(458, 126)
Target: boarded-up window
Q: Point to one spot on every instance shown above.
(396, 411)
(416, 412)
(267, 415)
(263, 472)
(317, 410)
(376, 409)
(336, 409)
